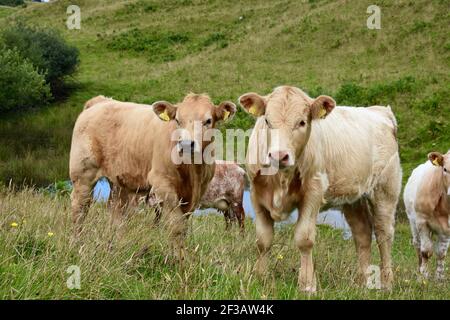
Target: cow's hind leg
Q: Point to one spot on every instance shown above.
(239, 213)
(358, 217)
(227, 215)
(384, 199)
(118, 205)
(158, 213)
(441, 251)
(384, 220)
(81, 199)
(416, 239)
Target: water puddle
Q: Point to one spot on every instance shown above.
(332, 217)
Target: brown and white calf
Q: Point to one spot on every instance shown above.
(427, 203)
(225, 192)
(132, 146)
(343, 156)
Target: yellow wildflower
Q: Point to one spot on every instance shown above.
(14, 224)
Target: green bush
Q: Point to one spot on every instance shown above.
(21, 84)
(12, 3)
(45, 49)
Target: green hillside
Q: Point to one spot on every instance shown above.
(144, 51)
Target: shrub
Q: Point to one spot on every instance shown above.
(45, 49)
(59, 189)
(12, 3)
(21, 84)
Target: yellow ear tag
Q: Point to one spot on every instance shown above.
(436, 162)
(253, 111)
(164, 116)
(322, 113)
(226, 114)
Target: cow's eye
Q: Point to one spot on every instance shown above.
(445, 170)
(178, 122)
(207, 122)
(301, 123)
(268, 123)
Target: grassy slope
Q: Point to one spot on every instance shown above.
(33, 265)
(149, 50)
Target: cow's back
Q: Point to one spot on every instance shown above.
(352, 146)
(120, 139)
(228, 183)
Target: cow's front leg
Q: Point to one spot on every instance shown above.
(426, 246)
(305, 234)
(176, 221)
(264, 238)
(177, 225)
(175, 218)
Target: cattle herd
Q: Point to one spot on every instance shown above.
(303, 153)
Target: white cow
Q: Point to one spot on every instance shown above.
(427, 202)
(340, 155)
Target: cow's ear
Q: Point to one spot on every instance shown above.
(253, 103)
(164, 110)
(225, 111)
(436, 158)
(322, 106)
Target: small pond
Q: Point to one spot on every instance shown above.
(332, 217)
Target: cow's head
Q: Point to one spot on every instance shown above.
(442, 161)
(195, 114)
(288, 113)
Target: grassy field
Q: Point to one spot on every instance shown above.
(150, 50)
(146, 50)
(33, 264)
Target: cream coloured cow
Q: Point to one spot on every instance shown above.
(427, 203)
(342, 156)
(132, 146)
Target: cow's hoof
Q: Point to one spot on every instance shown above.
(386, 286)
(423, 276)
(308, 289)
(440, 276)
(260, 268)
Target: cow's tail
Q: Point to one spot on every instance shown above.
(94, 101)
(391, 116)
